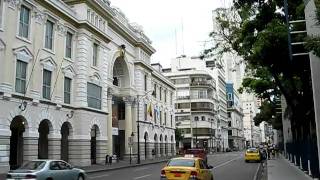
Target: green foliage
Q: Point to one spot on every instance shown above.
(313, 44)
(258, 33)
(317, 3)
(268, 113)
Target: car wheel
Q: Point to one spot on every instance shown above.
(246, 161)
(80, 177)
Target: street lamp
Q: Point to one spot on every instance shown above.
(132, 135)
(138, 124)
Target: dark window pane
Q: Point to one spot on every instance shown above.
(67, 90)
(68, 45)
(21, 74)
(49, 35)
(46, 87)
(24, 22)
(94, 96)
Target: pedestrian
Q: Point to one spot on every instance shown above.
(107, 159)
(269, 152)
(273, 153)
(110, 160)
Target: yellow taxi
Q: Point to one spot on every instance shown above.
(252, 154)
(186, 168)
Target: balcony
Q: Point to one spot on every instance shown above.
(183, 97)
(201, 83)
(202, 106)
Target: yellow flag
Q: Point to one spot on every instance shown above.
(150, 110)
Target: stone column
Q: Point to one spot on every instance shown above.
(54, 146)
(128, 122)
(30, 145)
(109, 126)
(134, 128)
(4, 153)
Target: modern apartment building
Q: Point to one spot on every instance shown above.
(197, 104)
(235, 119)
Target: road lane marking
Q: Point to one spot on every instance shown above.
(140, 169)
(140, 177)
(225, 163)
(257, 171)
(94, 177)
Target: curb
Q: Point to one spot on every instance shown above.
(123, 167)
(259, 173)
(298, 169)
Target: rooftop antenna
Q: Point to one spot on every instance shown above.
(182, 36)
(176, 41)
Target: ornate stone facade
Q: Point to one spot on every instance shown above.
(93, 91)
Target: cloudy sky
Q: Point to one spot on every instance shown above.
(175, 26)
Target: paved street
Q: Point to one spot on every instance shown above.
(227, 166)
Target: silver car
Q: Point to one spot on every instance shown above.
(46, 170)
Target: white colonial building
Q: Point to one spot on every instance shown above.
(76, 83)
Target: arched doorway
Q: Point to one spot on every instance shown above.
(166, 145)
(17, 128)
(43, 141)
(146, 145)
(121, 76)
(65, 132)
(161, 145)
(155, 145)
(93, 143)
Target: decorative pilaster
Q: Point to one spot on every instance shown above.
(82, 56)
(128, 121)
(13, 4)
(109, 124)
(30, 148)
(134, 126)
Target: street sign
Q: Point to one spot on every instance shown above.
(130, 141)
(115, 131)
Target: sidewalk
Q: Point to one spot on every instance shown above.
(121, 165)
(282, 169)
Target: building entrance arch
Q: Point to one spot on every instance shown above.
(121, 75)
(17, 128)
(145, 145)
(66, 130)
(45, 127)
(95, 132)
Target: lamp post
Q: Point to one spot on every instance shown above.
(130, 145)
(138, 122)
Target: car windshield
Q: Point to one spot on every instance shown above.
(252, 151)
(33, 165)
(182, 162)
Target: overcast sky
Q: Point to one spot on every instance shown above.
(174, 26)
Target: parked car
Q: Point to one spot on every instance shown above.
(45, 170)
(186, 168)
(201, 153)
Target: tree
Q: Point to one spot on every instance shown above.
(261, 39)
(313, 42)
